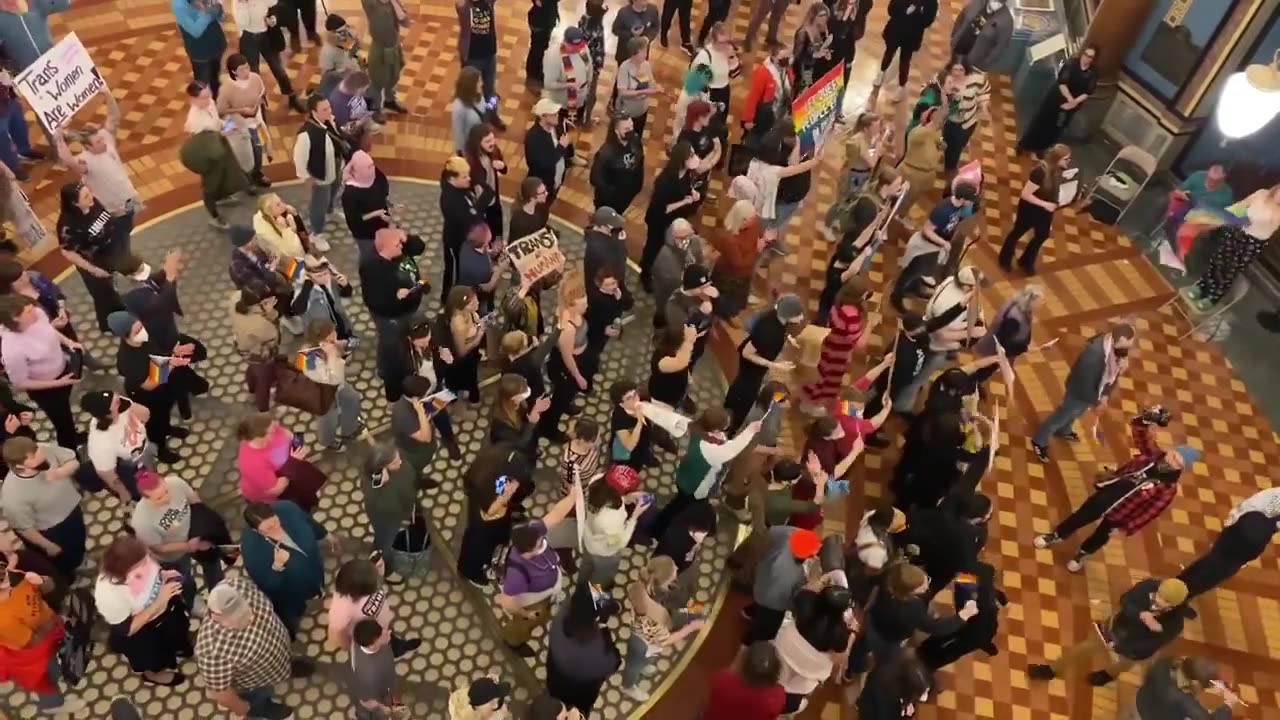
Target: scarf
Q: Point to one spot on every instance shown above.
(782, 91)
(570, 78)
(360, 171)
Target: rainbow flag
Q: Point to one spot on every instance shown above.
(158, 370)
(967, 579)
(308, 359)
(292, 269)
(846, 408)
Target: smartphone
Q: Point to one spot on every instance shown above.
(229, 126)
(500, 485)
(297, 441)
(646, 498)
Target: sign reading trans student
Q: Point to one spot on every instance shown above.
(61, 82)
(536, 256)
(816, 110)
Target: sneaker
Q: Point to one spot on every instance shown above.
(1042, 452)
(1070, 436)
(168, 456)
(218, 223)
(395, 107)
(275, 710)
(524, 650)
(199, 608)
(635, 693)
(1098, 678)
(1046, 540)
(1074, 566)
(319, 243)
(1040, 672)
(177, 432)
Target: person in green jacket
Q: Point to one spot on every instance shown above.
(700, 470)
(281, 552)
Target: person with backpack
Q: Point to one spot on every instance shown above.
(30, 635)
(530, 575)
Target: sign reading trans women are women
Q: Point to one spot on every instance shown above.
(61, 82)
(816, 110)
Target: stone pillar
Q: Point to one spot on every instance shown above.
(1114, 29)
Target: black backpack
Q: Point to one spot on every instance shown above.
(77, 645)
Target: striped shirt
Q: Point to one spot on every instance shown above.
(975, 94)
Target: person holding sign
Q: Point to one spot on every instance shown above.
(1037, 203)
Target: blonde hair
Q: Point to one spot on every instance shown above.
(660, 572)
(739, 213)
(573, 287)
(455, 166)
(264, 209)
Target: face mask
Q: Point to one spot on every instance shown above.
(541, 547)
(522, 396)
(1122, 352)
(699, 536)
(142, 336)
(144, 272)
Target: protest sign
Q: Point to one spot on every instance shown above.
(816, 110)
(61, 82)
(536, 256)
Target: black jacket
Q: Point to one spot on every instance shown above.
(1160, 697)
(381, 278)
(461, 210)
(542, 153)
(896, 620)
(617, 171)
(603, 310)
(1132, 638)
(948, 544)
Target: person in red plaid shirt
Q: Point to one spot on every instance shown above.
(1132, 496)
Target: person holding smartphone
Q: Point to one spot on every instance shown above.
(34, 355)
(142, 602)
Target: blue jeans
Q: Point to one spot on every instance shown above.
(323, 197)
(259, 700)
(1060, 420)
(905, 399)
(344, 415)
(15, 136)
(636, 661)
(782, 215)
(488, 68)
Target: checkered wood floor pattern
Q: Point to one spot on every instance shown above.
(1091, 274)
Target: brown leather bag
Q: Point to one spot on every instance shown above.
(296, 390)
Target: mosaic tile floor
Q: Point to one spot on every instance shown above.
(453, 619)
(1091, 274)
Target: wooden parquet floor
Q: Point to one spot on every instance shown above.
(1090, 272)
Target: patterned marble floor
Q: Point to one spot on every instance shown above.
(1091, 274)
(454, 620)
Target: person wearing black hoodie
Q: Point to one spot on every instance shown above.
(548, 148)
(899, 612)
(979, 631)
(949, 538)
(895, 689)
(1240, 543)
(462, 205)
(617, 172)
(607, 300)
(581, 653)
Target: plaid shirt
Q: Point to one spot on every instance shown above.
(1149, 496)
(251, 273)
(253, 657)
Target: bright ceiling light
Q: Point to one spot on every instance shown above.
(1249, 100)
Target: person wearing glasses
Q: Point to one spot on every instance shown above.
(1077, 80)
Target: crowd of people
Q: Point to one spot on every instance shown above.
(822, 608)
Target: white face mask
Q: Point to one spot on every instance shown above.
(142, 336)
(144, 272)
(699, 536)
(541, 547)
(522, 396)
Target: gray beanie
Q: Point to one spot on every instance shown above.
(241, 235)
(121, 323)
(790, 308)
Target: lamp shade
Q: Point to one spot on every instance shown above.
(1246, 105)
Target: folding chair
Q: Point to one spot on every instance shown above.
(1200, 321)
(1121, 183)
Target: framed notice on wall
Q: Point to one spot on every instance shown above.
(1175, 42)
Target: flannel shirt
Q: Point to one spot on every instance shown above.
(253, 657)
(1149, 497)
(251, 274)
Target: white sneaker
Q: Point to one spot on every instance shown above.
(1043, 541)
(319, 243)
(635, 693)
(1073, 565)
(199, 608)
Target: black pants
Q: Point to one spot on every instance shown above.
(920, 267)
(828, 297)
(743, 392)
(56, 405)
(655, 236)
(105, 298)
(717, 11)
(1211, 570)
(1093, 509)
(289, 13)
(564, 390)
(678, 503)
(479, 540)
(765, 623)
(209, 72)
(669, 10)
(70, 535)
(451, 250)
(539, 41)
(904, 61)
(938, 651)
(252, 46)
(160, 402)
(1029, 217)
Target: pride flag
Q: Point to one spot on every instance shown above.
(292, 269)
(307, 359)
(847, 408)
(158, 370)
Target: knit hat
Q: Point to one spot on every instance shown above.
(148, 480)
(622, 478)
(1189, 454)
(241, 235)
(804, 544)
(1172, 592)
(790, 307)
(121, 323)
(97, 403)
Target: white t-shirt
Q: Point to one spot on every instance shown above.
(117, 602)
(107, 177)
(125, 440)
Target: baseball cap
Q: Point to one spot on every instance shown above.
(486, 690)
(334, 22)
(241, 235)
(546, 106)
(574, 36)
(804, 544)
(695, 276)
(97, 403)
(1172, 591)
(225, 599)
(789, 307)
(606, 215)
(970, 275)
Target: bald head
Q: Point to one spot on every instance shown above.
(388, 242)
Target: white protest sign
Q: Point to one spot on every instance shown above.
(536, 256)
(61, 82)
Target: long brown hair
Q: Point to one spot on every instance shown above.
(505, 406)
(465, 88)
(1053, 173)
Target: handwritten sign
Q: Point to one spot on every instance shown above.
(536, 256)
(816, 110)
(61, 82)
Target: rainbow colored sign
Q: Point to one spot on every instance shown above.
(815, 111)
